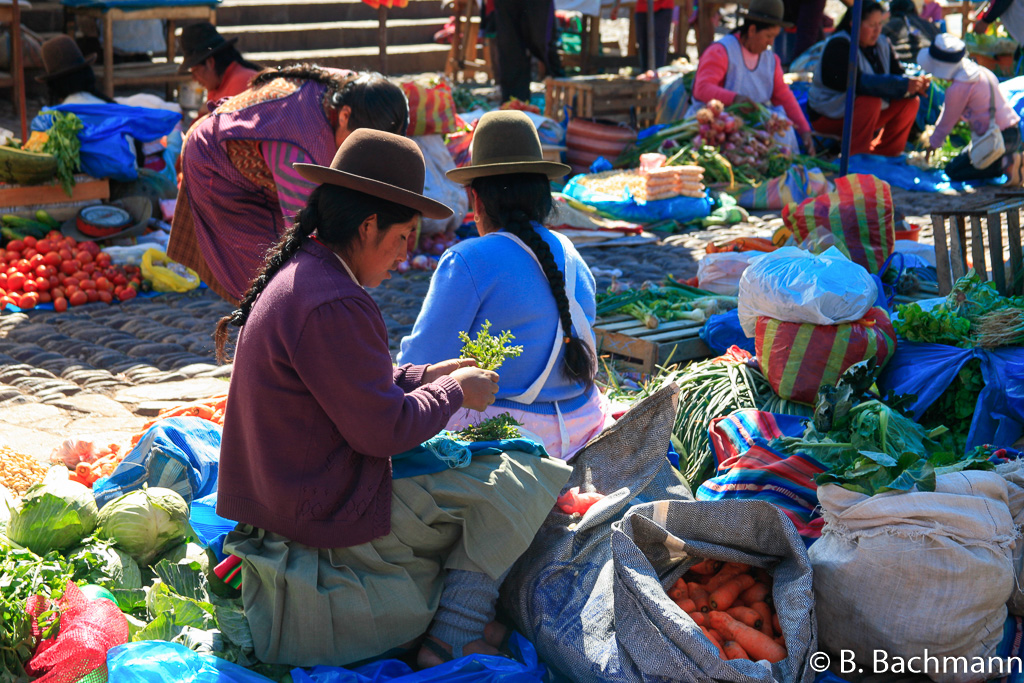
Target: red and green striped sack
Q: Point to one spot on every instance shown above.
(799, 358)
(858, 214)
(431, 106)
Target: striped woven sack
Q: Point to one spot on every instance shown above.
(795, 186)
(858, 214)
(798, 358)
(431, 107)
(748, 469)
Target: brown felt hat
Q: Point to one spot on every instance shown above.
(767, 12)
(61, 56)
(506, 142)
(382, 165)
(199, 42)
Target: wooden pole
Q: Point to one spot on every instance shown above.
(651, 52)
(851, 87)
(18, 66)
(382, 38)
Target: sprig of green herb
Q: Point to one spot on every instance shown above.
(498, 428)
(489, 352)
(63, 143)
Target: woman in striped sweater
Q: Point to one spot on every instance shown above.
(239, 191)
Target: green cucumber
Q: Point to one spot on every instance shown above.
(27, 226)
(47, 219)
(10, 234)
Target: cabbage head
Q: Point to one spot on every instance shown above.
(116, 567)
(53, 515)
(145, 522)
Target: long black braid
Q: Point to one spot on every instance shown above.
(375, 101)
(335, 214)
(514, 202)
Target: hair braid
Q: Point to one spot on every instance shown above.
(290, 242)
(514, 201)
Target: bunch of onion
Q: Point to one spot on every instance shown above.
(1001, 327)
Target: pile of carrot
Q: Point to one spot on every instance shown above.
(211, 409)
(88, 473)
(741, 244)
(731, 603)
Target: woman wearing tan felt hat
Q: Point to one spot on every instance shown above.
(521, 277)
(350, 546)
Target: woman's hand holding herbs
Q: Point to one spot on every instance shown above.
(436, 371)
(478, 386)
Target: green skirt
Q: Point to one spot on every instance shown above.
(333, 606)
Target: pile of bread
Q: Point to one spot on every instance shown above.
(650, 182)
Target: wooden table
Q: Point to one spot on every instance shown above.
(134, 74)
(11, 14)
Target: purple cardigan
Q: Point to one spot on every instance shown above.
(316, 409)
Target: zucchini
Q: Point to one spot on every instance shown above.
(26, 226)
(47, 219)
(10, 234)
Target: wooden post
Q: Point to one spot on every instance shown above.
(18, 67)
(171, 49)
(651, 52)
(382, 38)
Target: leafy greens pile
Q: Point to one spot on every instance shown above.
(498, 428)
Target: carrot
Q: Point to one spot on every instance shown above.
(687, 605)
(734, 651)
(677, 594)
(73, 476)
(699, 596)
(715, 640)
(756, 644)
(780, 640)
(680, 585)
(759, 592)
(724, 597)
(747, 616)
(706, 568)
(775, 624)
(765, 612)
(727, 572)
(699, 618)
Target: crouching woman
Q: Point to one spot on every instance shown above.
(347, 555)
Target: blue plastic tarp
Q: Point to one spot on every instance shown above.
(896, 171)
(626, 208)
(157, 661)
(927, 370)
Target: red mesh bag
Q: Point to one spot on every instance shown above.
(88, 628)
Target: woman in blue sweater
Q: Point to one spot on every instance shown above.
(523, 278)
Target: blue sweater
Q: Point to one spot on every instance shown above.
(493, 278)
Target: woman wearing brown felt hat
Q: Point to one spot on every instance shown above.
(354, 540)
(521, 277)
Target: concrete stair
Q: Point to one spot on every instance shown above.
(337, 33)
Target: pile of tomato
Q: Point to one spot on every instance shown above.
(63, 272)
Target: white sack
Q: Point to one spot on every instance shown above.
(438, 187)
(720, 273)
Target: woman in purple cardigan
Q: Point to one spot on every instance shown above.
(347, 555)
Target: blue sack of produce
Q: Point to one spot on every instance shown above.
(927, 370)
(156, 661)
(106, 151)
(626, 208)
(724, 330)
(178, 453)
(468, 669)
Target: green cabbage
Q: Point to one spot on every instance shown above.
(117, 565)
(53, 515)
(145, 522)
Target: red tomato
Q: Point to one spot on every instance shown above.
(90, 247)
(3, 280)
(102, 284)
(23, 266)
(15, 282)
(126, 293)
(45, 298)
(92, 295)
(29, 286)
(103, 259)
(54, 281)
(60, 304)
(72, 282)
(68, 267)
(40, 271)
(35, 260)
(120, 280)
(42, 284)
(87, 285)
(83, 256)
(54, 236)
(51, 258)
(30, 241)
(57, 292)
(28, 301)
(89, 268)
(3, 253)
(15, 245)
(64, 253)
(78, 298)
(29, 253)
(106, 297)
(44, 246)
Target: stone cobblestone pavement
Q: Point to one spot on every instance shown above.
(103, 371)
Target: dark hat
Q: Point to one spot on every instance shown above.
(506, 142)
(199, 42)
(767, 12)
(61, 56)
(90, 226)
(382, 165)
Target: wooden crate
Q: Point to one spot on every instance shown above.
(611, 98)
(86, 188)
(954, 244)
(639, 347)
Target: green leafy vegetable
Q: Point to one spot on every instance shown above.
(145, 522)
(63, 144)
(53, 515)
(489, 352)
(497, 428)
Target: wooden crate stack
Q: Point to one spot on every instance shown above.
(610, 98)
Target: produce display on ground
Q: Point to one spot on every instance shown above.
(653, 304)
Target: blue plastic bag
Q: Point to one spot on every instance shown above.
(178, 453)
(157, 661)
(210, 528)
(626, 208)
(468, 669)
(927, 370)
(896, 171)
(106, 152)
(723, 330)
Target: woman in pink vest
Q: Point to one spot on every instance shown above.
(741, 68)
